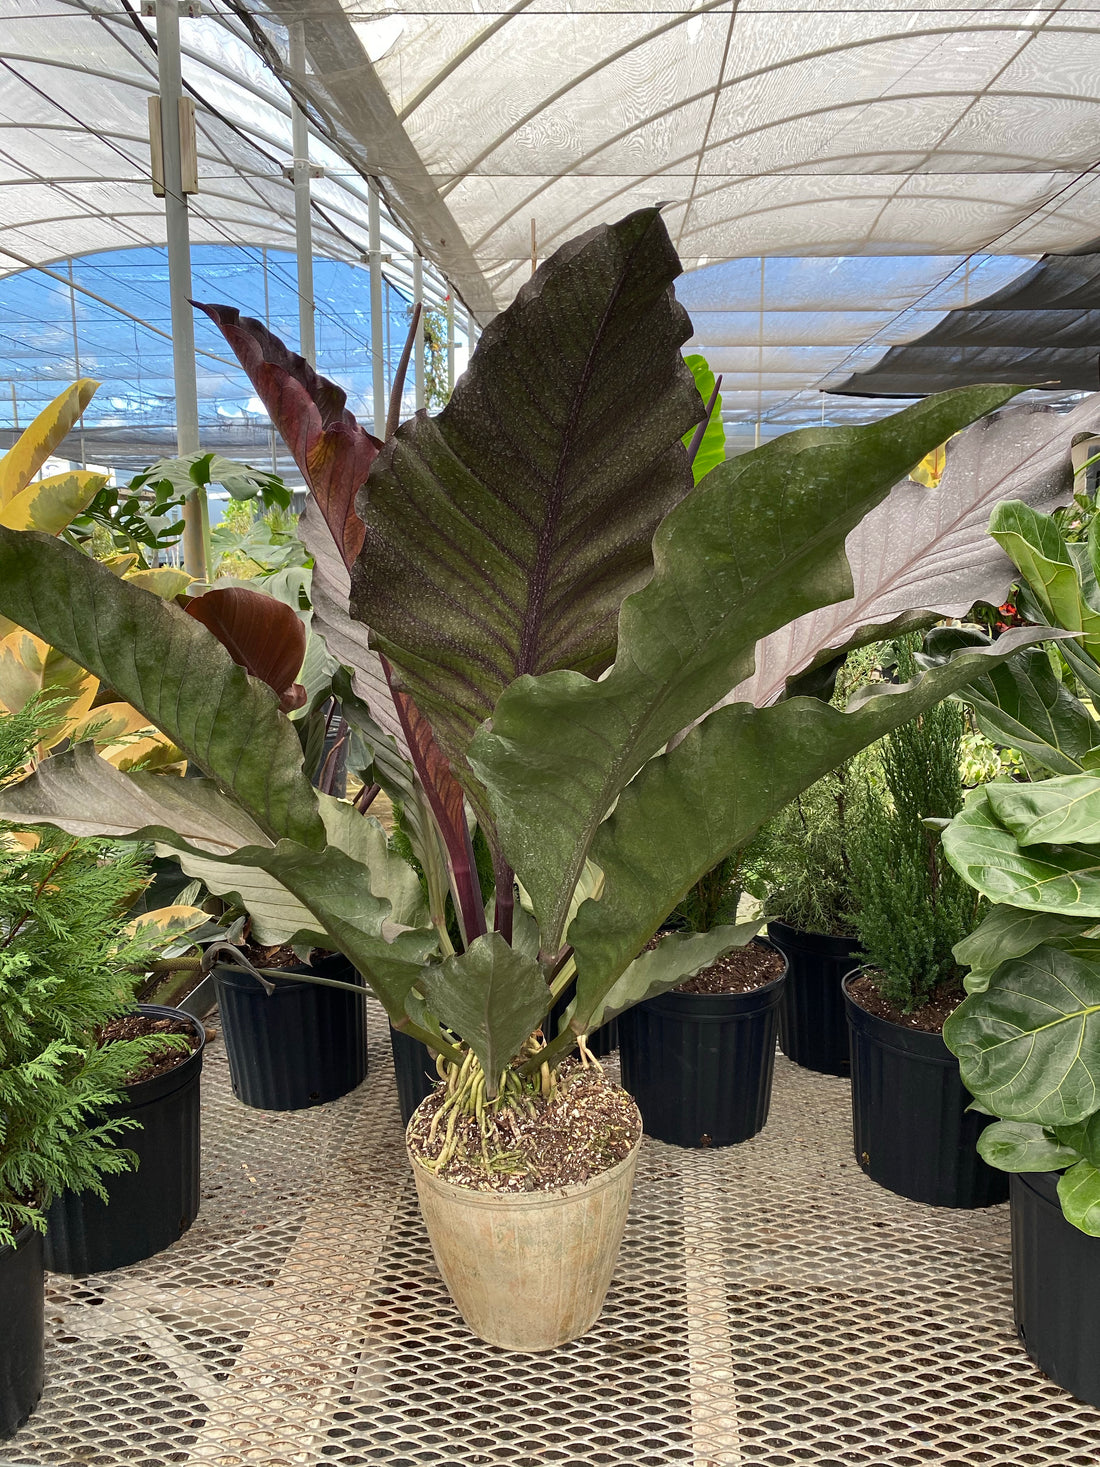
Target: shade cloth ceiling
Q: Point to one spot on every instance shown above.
(1044, 328)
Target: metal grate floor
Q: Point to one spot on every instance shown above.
(772, 1307)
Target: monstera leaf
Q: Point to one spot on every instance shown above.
(759, 541)
(502, 535)
(927, 549)
(1029, 1047)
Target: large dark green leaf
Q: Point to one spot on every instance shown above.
(493, 996)
(1084, 1138)
(502, 535)
(1024, 704)
(759, 541)
(1064, 880)
(353, 894)
(171, 668)
(1039, 551)
(1022, 1146)
(1029, 1047)
(689, 808)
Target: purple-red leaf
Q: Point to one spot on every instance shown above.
(444, 795)
(261, 634)
(329, 446)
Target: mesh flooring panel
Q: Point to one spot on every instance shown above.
(772, 1307)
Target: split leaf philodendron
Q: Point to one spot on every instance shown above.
(550, 603)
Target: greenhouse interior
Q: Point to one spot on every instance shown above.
(530, 531)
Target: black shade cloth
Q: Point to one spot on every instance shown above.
(1042, 330)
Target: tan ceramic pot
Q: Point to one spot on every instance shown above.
(530, 1270)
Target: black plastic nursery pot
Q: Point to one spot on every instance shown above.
(414, 1070)
(813, 1027)
(302, 1045)
(148, 1208)
(1055, 1287)
(22, 1329)
(700, 1065)
(601, 1042)
(912, 1130)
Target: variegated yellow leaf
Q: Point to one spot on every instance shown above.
(51, 504)
(149, 751)
(34, 446)
(165, 581)
(109, 723)
(121, 565)
(165, 922)
(929, 471)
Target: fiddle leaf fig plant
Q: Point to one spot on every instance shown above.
(532, 601)
(1028, 1035)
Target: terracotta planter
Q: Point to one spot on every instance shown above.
(530, 1270)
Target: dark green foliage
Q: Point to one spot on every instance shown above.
(911, 907)
(801, 857)
(713, 901)
(64, 971)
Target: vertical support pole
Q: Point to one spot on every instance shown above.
(267, 323)
(76, 361)
(418, 340)
(377, 325)
(14, 408)
(196, 525)
(450, 339)
(303, 219)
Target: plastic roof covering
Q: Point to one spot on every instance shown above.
(1044, 327)
(131, 420)
(75, 77)
(772, 127)
(884, 160)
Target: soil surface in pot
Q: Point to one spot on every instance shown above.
(272, 957)
(931, 1016)
(740, 971)
(586, 1127)
(140, 1026)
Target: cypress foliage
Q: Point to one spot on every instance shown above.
(911, 907)
(65, 970)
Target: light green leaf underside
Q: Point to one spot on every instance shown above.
(1022, 1146)
(1005, 933)
(1079, 1194)
(1064, 811)
(759, 542)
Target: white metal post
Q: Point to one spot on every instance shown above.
(450, 339)
(177, 230)
(377, 326)
(303, 220)
(76, 361)
(418, 340)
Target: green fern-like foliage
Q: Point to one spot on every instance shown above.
(911, 907)
(66, 968)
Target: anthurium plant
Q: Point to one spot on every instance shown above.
(532, 601)
(1028, 1036)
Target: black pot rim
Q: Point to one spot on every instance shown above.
(234, 976)
(143, 1091)
(22, 1238)
(925, 1044)
(815, 942)
(719, 1005)
(1043, 1185)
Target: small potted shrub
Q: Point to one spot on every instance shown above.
(699, 1058)
(66, 974)
(914, 1133)
(539, 613)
